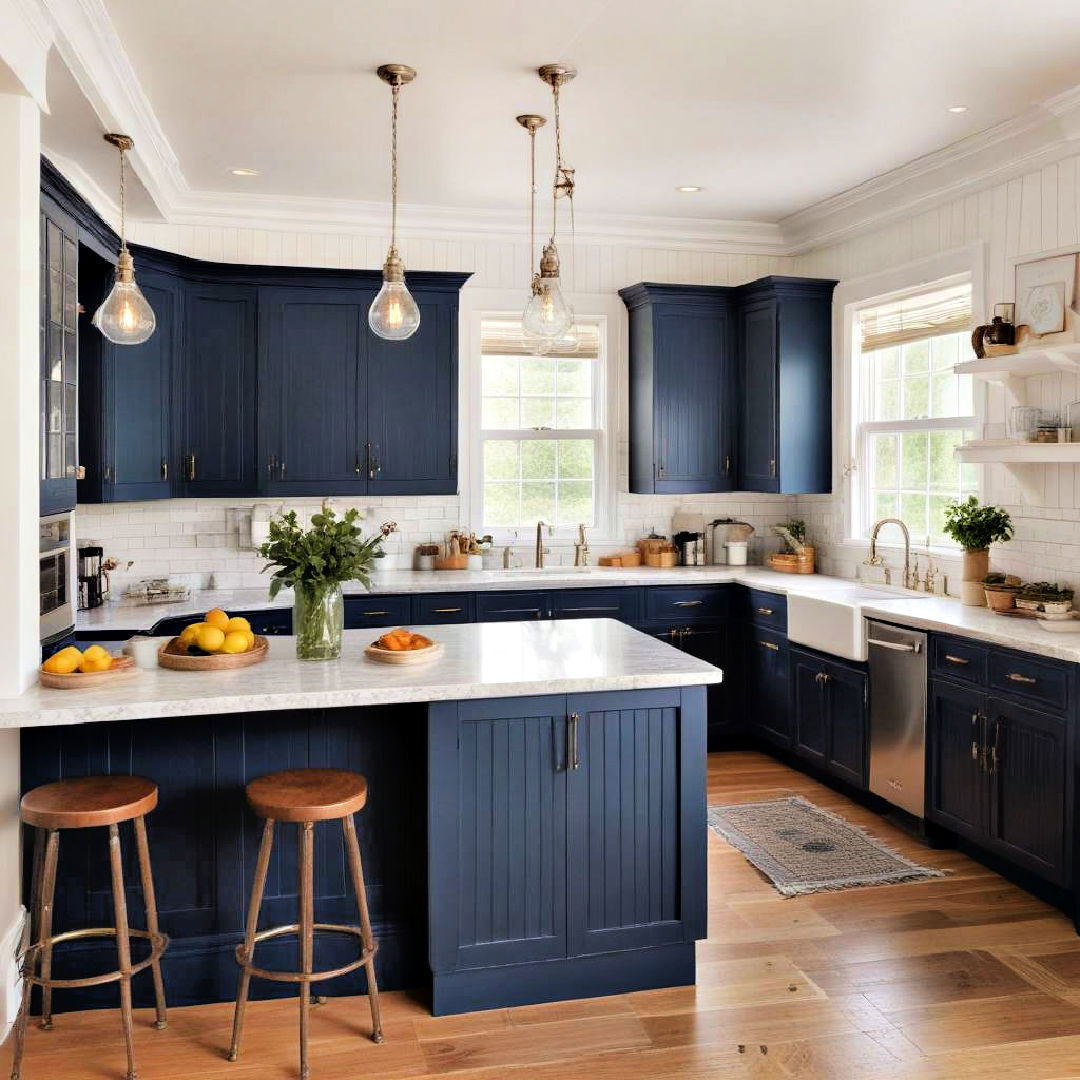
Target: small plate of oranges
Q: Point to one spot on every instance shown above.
(70, 668)
(217, 643)
(402, 646)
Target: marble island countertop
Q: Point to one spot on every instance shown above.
(478, 660)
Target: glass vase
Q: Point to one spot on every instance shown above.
(318, 621)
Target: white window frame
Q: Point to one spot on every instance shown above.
(609, 313)
(956, 266)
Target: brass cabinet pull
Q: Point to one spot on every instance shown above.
(956, 659)
(772, 467)
(369, 614)
(764, 610)
(727, 463)
(445, 610)
(282, 470)
(370, 466)
(769, 645)
(191, 466)
(572, 753)
(357, 467)
(164, 469)
(1016, 677)
(995, 749)
(687, 603)
(975, 750)
(823, 677)
(271, 466)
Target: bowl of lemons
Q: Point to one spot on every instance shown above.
(217, 643)
(69, 668)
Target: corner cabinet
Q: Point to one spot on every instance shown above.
(566, 831)
(730, 388)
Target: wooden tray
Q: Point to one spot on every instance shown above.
(174, 655)
(82, 680)
(402, 656)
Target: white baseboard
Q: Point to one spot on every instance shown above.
(10, 988)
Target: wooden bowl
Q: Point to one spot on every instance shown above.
(122, 666)
(173, 654)
(401, 656)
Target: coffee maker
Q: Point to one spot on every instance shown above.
(92, 588)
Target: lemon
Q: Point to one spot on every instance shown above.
(95, 663)
(190, 632)
(209, 638)
(236, 641)
(63, 662)
(95, 652)
(218, 618)
(237, 622)
(250, 638)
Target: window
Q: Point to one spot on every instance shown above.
(912, 410)
(542, 428)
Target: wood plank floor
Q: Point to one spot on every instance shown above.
(960, 977)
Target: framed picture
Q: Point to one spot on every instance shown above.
(1044, 289)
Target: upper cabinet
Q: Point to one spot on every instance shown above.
(730, 388)
(681, 371)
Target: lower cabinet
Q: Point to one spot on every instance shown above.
(999, 776)
(766, 693)
(829, 715)
(564, 829)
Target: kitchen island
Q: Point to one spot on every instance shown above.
(535, 829)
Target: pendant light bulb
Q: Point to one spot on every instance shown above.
(125, 316)
(394, 315)
(547, 314)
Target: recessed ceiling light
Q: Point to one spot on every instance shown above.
(688, 189)
(244, 172)
(957, 108)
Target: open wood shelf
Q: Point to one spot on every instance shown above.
(1048, 360)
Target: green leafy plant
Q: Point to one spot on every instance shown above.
(1045, 591)
(332, 551)
(976, 527)
(793, 533)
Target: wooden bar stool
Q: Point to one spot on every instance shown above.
(305, 796)
(84, 803)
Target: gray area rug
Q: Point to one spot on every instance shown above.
(801, 848)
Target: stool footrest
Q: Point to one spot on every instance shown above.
(158, 944)
(245, 961)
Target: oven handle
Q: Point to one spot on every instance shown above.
(896, 646)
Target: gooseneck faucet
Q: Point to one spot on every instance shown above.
(581, 548)
(540, 550)
(907, 545)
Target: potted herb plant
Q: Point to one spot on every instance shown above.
(1046, 597)
(313, 563)
(975, 528)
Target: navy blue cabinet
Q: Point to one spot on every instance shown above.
(765, 687)
(215, 392)
(681, 384)
(957, 795)
(759, 451)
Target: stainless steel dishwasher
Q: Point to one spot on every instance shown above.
(897, 660)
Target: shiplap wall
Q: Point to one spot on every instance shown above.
(200, 537)
(1035, 213)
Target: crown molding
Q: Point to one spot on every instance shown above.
(102, 202)
(27, 38)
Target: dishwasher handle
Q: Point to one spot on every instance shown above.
(896, 646)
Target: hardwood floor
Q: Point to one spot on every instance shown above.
(961, 977)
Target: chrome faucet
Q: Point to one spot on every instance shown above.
(873, 557)
(541, 551)
(581, 548)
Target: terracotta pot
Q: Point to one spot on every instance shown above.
(976, 566)
(999, 598)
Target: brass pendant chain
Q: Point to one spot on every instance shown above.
(123, 210)
(395, 89)
(532, 194)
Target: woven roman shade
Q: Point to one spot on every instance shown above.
(506, 337)
(930, 314)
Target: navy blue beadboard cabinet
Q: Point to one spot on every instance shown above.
(730, 387)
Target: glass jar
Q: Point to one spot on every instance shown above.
(318, 620)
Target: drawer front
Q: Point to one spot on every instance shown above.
(362, 611)
(767, 609)
(433, 608)
(958, 658)
(623, 604)
(512, 606)
(686, 603)
(1033, 679)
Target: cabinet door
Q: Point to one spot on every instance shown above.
(215, 442)
(845, 704)
(1029, 808)
(137, 393)
(309, 365)
(691, 378)
(758, 439)
(410, 407)
(808, 707)
(956, 731)
(497, 823)
(633, 785)
(766, 682)
(710, 643)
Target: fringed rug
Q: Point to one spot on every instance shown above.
(802, 849)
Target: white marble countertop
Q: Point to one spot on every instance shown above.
(478, 660)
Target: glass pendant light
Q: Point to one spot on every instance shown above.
(393, 314)
(547, 314)
(125, 317)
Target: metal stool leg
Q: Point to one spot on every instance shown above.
(254, 904)
(123, 945)
(352, 846)
(48, 895)
(307, 934)
(150, 901)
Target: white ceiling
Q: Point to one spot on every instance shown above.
(770, 107)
